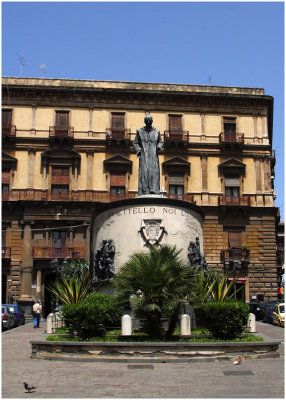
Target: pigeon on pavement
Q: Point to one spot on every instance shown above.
(28, 387)
(237, 361)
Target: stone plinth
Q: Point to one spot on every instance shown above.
(135, 224)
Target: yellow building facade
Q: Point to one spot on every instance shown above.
(67, 148)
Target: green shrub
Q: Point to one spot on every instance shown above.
(226, 319)
(92, 317)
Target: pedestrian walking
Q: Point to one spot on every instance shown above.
(37, 313)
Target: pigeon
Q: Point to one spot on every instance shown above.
(28, 387)
(237, 361)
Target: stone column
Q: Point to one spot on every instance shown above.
(31, 168)
(44, 177)
(203, 134)
(87, 243)
(90, 113)
(75, 177)
(255, 128)
(265, 138)
(204, 169)
(27, 265)
(39, 284)
(33, 122)
(89, 169)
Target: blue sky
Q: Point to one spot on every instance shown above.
(228, 43)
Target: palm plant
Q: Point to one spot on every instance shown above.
(156, 277)
(71, 291)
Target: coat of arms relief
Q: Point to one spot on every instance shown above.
(152, 231)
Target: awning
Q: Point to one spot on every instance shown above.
(238, 280)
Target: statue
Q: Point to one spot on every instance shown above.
(148, 144)
(195, 257)
(104, 261)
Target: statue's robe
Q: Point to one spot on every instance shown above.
(149, 143)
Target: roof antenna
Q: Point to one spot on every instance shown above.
(210, 79)
(43, 69)
(21, 59)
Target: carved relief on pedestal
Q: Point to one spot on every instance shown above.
(152, 231)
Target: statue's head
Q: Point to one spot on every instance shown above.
(148, 120)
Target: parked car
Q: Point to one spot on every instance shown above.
(278, 314)
(8, 319)
(18, 313)
(268, 313)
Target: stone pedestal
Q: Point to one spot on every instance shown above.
(135, 224)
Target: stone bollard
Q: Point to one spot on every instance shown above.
(185, 325)
(50, 323)
(251, 324)
(126, 325)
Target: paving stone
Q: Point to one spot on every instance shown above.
(64, 379)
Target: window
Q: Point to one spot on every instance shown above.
(59, 243)
(234, 240)
(62, 123)
(6, 121)
(5, 181)
(118, 124)
(117, 183)
(176, 184)
(175, 123)
(175, 127)
(60, 182)
(232, 187)
(229, 124)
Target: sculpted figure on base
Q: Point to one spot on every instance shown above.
(148, 144)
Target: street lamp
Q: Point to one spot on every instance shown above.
(9, 285)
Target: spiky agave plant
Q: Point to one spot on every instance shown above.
(71, 291)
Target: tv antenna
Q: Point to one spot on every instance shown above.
(210, 79)
(21, 59)
(43, 69)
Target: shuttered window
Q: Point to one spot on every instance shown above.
(117, 179)
(6, 121)
(234, 240)
(117, 121)
(60, 175)
(231, 181)
(62, 119)
(176, 178)
(5, 175)
(175, 123)
(229, 124)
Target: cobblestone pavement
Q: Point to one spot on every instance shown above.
(262, 378)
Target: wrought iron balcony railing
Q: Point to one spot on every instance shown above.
(59, 131)
(176, 136)
(43, 252)
(231, 137)
(6, 252)
(231, 255)
(114, 133)
(9, 130)
(234, 201)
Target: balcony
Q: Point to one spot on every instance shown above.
(118, 137)
(60, 131)
(6, 252)
(184, 197)
(45, 252)
(234, 201)
(231, 137)
(176, 138)
(232, 255)
(231, 141)
(9, 130)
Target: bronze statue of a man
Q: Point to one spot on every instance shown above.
(148, 144)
